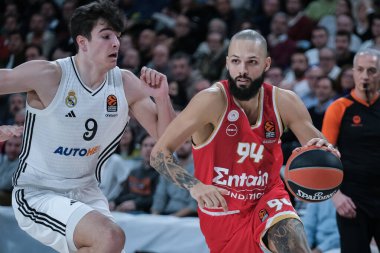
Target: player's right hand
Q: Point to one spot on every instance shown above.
(209, 196)
(344, 205)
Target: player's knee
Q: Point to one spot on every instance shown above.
(113, 239)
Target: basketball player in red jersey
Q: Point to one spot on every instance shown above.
(236, 126)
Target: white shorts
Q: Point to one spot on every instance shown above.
(51, 217)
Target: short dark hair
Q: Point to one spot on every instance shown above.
(85, 18)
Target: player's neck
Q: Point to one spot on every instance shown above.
(250, 107)
(89, 73)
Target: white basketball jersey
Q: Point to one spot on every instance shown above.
(66, 144)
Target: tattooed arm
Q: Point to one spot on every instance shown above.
(287, 235)
(195, 120)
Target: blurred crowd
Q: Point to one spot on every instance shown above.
(312, 44)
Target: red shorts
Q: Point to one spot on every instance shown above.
(242, 232)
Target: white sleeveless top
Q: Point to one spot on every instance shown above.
(66, 144)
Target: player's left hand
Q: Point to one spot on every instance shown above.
(155, 83)
(7, 132)
(319, 142)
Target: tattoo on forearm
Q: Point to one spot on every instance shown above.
(287, 236)
(169, 167)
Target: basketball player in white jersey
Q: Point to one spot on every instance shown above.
(77, 110)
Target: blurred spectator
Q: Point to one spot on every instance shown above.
(16, 47)
(33, 52)
(51, 12)
(375, 29)
(177, 95)
(184, 40)
(329, 21)
(131, 61)
(20, 117)
(313, 74)
(344, 55)
(325, 93)
(8, 165)
(345, 81)
(263, 18)
(160, 59)
(318, 8)
(280, 47)
(113, 174)
(327, 62)
(183, 73)
(274, 75)
(169, 199)
(346, 23)
(11, 23)
(211, 63)
(225, 12)
(321, 228)
(128, 147)
(16, 102)
(295, 78)
(363, 14)
(138, 189)
(319, 39)
(145, 44)
(300, 26)
(40, 35)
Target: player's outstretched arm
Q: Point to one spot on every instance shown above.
(38, 75)
(287, 236)
(202, 110)
(7, 132)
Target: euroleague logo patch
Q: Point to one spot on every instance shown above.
(263, 215)
(111, 103)
(270, 130)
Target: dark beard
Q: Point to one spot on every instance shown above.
(299, 73)
(245, 94)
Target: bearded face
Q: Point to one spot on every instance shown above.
(248, 92)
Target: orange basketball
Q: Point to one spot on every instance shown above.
(313, 174)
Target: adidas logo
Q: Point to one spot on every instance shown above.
(71, 114)
(72, 202)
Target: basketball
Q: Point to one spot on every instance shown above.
(313, 174)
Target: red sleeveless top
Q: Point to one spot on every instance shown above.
(242, 158)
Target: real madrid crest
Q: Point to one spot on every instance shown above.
(71, 99)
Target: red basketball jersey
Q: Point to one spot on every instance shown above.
(243, 158)
(246, 160)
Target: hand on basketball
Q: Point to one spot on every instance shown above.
(156, 83)
(319, 142)
(344, 205)
(209, 196)
(7, 132)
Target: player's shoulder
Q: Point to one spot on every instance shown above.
(213, 94)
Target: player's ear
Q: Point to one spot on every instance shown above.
(268, 62)
(82, 42)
